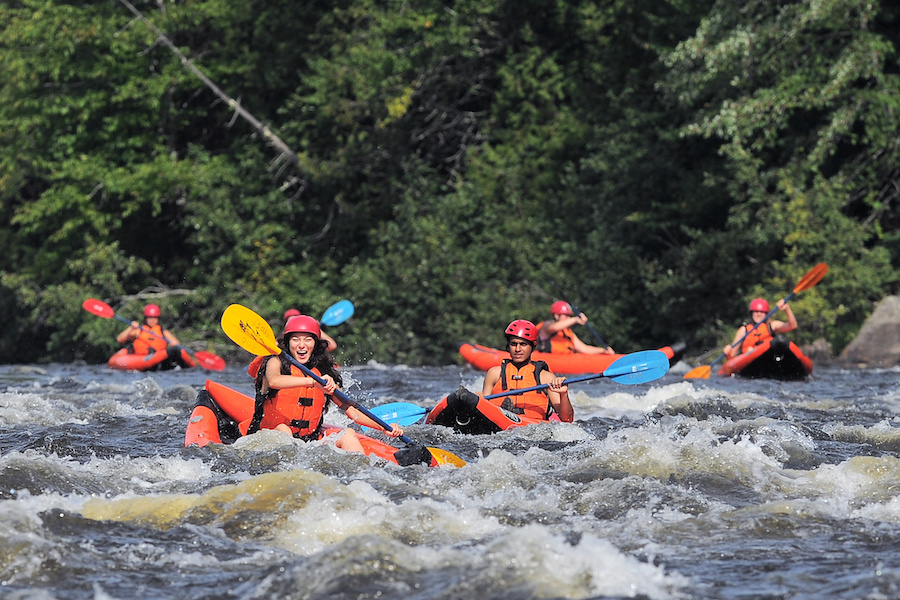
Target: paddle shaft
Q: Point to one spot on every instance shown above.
(144, 329)
(543, 386)
(344, 397)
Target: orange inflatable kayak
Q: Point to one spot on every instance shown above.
(467, 412)
(160, 360)
(776, 358)
(219, 409)
(483, 358)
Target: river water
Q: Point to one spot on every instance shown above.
(719, 488)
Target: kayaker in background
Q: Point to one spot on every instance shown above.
(289, 401)
(519, 372)
(141, 339)
(293, 312)
(150, 337)
(556, 335)
(759, 308)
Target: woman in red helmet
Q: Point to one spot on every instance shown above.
(556, 335)
(287, 400)
(759, 308)
(149, 338)
(519, 372)
(293, 312)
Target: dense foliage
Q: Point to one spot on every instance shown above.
(451, 166)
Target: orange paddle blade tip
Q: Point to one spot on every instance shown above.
(702, 372)
(443, 457)
(813, 277)
(98, 307)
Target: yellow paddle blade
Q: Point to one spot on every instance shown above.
(813, 277)
(701, 372)
(249, 331)
(443, 457)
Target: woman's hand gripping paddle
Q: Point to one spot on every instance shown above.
(207, 360)
(631, 369)
(252, 333)
(812, 277)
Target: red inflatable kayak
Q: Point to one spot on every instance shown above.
(160, 360)
(483, 358)
(776, 358)
(219, 409)
(467, 412)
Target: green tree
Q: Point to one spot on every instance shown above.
(801, 101)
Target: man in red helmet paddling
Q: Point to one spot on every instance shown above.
(759, 308)
(556, 335)
(519, 372)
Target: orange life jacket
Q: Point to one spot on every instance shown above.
(145, 343)
(536, 404)
(560, 342)
(755, 337)
(300, 408)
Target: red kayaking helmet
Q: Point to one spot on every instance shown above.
(302, 324)
(523, 329)
(561, 307)
(152, 310)
(759, 304)
(291, 312)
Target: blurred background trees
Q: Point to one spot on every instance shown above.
(458, 165)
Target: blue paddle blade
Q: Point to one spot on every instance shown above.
(337, 313)
(403, 413)
(638, 367)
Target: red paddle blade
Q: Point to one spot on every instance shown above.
(210, 361)
(98, 307)
(813, 277)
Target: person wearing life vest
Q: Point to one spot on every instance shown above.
(519, 372)
(293, 312)
(556, 335)
(759, 308)
(289, 401)
(150, 337)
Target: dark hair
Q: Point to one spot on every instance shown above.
(319, 359)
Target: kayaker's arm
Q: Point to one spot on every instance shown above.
(358, 417)
(583, 348)
(130, 333)
(559, 396)
(781, 326)
(490, 380)
(170, 337)
(551, 327)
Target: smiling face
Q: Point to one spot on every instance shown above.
(757, 315)
(301, 345)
